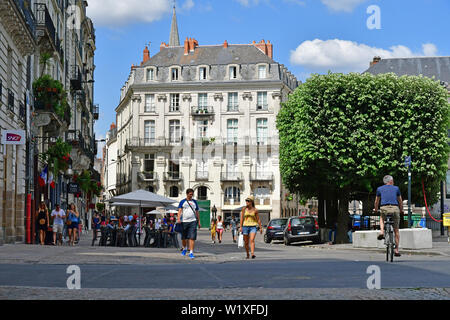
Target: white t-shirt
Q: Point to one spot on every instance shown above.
(219, 225)
(188, 215)
(59, 215)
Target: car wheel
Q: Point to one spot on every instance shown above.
(266, 239)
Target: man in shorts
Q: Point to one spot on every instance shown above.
(390, 201)
(188, 216)
(58, 223)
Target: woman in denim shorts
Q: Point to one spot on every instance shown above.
(249, 222)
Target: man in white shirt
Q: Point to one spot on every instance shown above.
(188, 215)
(58, 215)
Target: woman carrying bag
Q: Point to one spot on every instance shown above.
(43, 221)
(72, 223)
(249, 222)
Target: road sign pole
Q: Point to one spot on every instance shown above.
(409, 198)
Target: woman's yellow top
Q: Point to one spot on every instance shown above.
(213, 228)
(250, 218)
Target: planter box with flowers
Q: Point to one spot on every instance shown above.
(57, 156)
(50, 96)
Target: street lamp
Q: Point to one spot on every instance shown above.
(214, 211)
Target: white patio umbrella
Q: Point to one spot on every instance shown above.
(142, 198)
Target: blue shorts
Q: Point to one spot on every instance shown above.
(74, 225)
(247, 230)
(189, 231)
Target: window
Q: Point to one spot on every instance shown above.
(261, 101)
(174, 74)
(202, 129)
(174, 170)
(203, 101)
(233, 101)
(174, 131)
(262, 72)
(232, 130)
(261, 131)
(149, 163)
(174, 102)
(149, 103)
(149, 132)
(150, 74)
(202, 193)
(173, 192)
(233, 194)
(233, 72)
(151, 189)
(202, 169)
(202, 73)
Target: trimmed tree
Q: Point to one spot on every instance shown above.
(340, 134)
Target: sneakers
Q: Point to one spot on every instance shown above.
(191, 255)
(183, 253)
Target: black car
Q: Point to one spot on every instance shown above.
(299, 229)
(275, 229)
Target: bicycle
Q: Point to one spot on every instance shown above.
(389, 239)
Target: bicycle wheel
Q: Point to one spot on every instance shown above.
(391, 244)
(387, 242)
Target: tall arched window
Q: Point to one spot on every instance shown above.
(202, 193)
(232, 195)
(173, 192)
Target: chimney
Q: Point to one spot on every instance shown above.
(113, 126)
(146, 55)
(186, 46)
(266, 48)
(225, 44)
(375, 61)
(163, 45)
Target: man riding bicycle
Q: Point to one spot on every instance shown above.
(389, 199)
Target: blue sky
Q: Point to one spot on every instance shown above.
(309, 36)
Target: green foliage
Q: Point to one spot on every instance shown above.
(345, 132)
(100, 206)
(51, 95)
(87, 184)
(57, 156)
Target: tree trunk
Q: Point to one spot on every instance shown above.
(331, 209)
(343, 219)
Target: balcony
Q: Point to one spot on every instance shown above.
(148, 176)
(261, 176)
(231, 176)
(173, 176)
(19, 22)
(45, 29)
(201, 175)
(235, 201)
(202, 111)
(149, 142)
(41, 107)
(75, 78)
(95, 111)
(86, 145)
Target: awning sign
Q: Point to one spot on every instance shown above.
(17, 137)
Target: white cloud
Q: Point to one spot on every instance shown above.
(188, 5)
(347, 56)
(342, 5)
(119, 12)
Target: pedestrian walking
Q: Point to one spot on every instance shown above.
(95, 227)
(58, 215)
(233, 228)
(219, 228)
(213, 230)
(72, 223)
(43, 221)
(249, 222)
(189, 217)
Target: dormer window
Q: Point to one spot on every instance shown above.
(174, 72)
(202, 71)
(233, 72)
(150, 74)
(262, 72)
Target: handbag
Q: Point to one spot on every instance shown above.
(240, 240)
(42, 222)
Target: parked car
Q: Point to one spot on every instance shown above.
(274, 230)
(299, 229)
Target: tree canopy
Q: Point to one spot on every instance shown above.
(346, 132)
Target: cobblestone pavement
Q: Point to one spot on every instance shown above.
(24, 293)
(208, 253)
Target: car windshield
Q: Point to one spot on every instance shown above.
(278, 222)
(301, 221)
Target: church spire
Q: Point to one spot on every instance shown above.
(174, 36)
